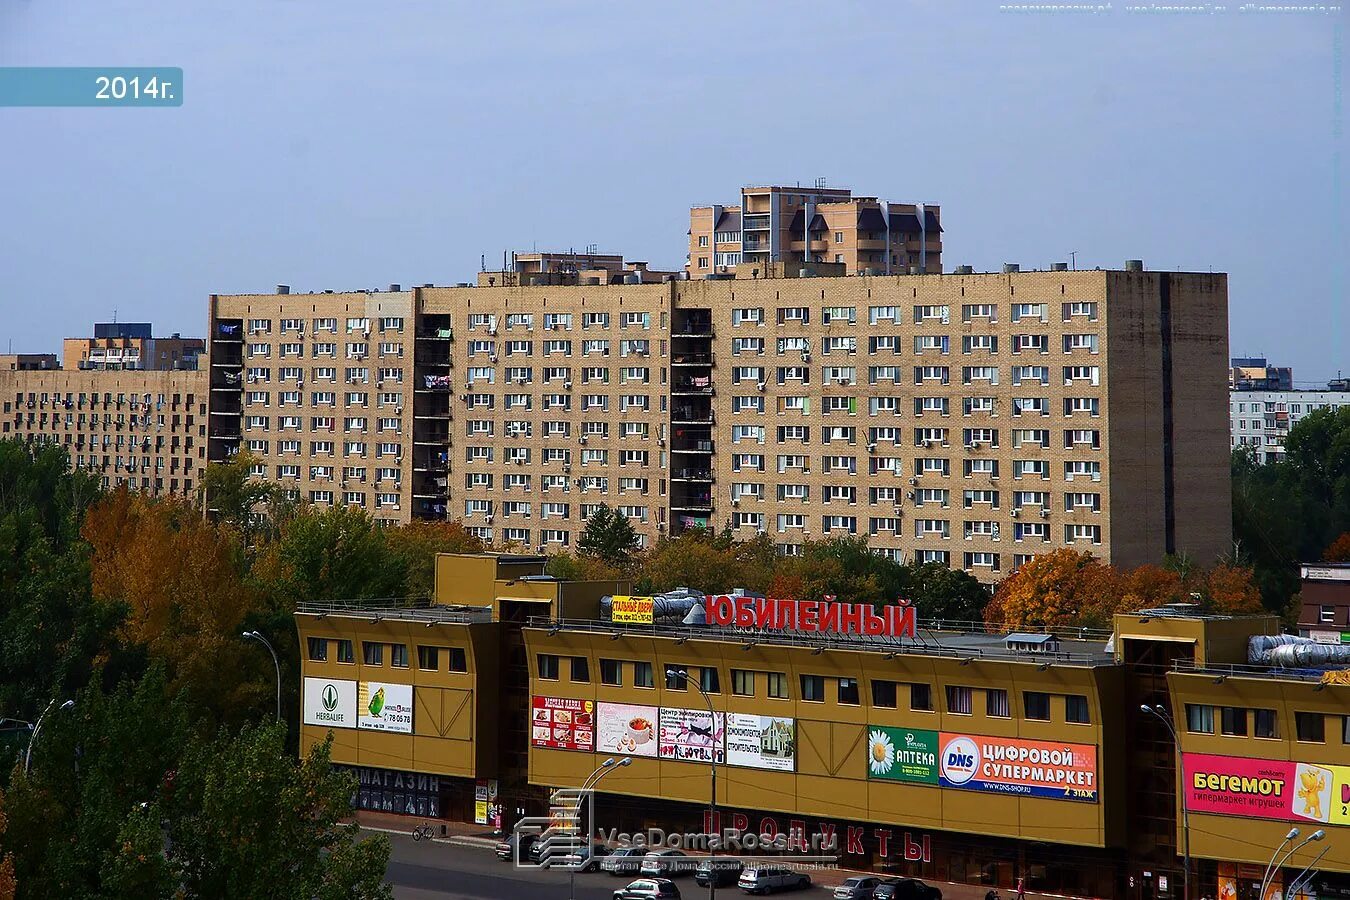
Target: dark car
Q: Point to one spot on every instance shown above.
(649, 889)
(623, 861)
(506, 849)
(721, 871)
(905, 889)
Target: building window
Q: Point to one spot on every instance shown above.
(1233, 720)
(921, 697)
(813, 688)
(372, 653)
(398, 656)
(428, 658)
(548, 666)
(1076, 710)
(611, 672)
(1199, 718)
(848, 691)
(958, 700)
(345, 654)
(883, 694)
(581, 670)
(777, 685)
(1310, 727)
(1036, 705)
(1327, 615)
(708, 680)
(459, 660)
(642, 675)
(996, 703)
(318, 649)
(1265, 726)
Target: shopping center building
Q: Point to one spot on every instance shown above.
(973, 757)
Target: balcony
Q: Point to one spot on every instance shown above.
(698, 387)
(692, 474)
(692, 359)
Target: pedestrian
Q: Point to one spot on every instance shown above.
(1021, 888)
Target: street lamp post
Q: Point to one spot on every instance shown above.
(1185, 813)
(1304, 878)
(1274, 866)
(37, 727)
(257, 636)
(674, 673)
(591, 781)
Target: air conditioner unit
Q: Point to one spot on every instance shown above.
(1016, 513)
(925, 444)
(582, 439)
(1045, 513)
(488, 518)
(568, 469)
(972, 445)
(735, 501)
(520, 380)
(761, 387)
(492, 358)
(493, 331)
(660, 442)
(913, 480)
(567, 385)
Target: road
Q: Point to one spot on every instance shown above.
(443, 871)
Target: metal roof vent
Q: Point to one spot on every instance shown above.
(965, 270)
(283, 289)
(1059, 267)
(395, 288)
(1008, 268)
(1134, 265)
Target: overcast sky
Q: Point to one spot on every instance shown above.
(343, 144)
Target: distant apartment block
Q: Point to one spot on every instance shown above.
(972, 419)
(28, 362)
(130, 345)
(1261, 419)
(789, 227)
(537, 269)
(1253, 373)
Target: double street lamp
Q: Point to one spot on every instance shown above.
(591, 781)
(1181, 797)
(1272, 867)
(258, 636)
(674, 676)
(36, 729)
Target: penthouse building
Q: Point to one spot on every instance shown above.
(970, 419)
(1261, 419)
(130, 345)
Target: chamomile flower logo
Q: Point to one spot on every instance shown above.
(880, 752)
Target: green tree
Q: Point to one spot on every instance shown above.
(609, 536)
(414, 546)
(337, 553)
(247, 819)
(940, 592)
(254, 506)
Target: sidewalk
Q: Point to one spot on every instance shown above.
(470, 835)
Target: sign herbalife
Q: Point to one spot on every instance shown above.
(330, 702)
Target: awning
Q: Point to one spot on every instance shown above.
(930, 222)
(871, 219)
(907, 223)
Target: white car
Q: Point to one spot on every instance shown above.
(771, 879)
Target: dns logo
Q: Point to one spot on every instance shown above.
(960, 760)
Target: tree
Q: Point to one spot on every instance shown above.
(568, 567)
(609, 536)
(691, 559)
(7, 883)
(247, 819)
(1231, 589)
(181, 580)
(940, 592)
(1060, 588)
(415, 546)
(1338, 550)
(238, 498)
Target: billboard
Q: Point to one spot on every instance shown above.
(1050, 769)
(562, 723)
(902, 754)
(691, 734)
(761, 742)
(1267, 788)
(329, 702)
(382, 706)
(626, 728)
(632, 610)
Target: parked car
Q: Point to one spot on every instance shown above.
(667, 863)
(859, 887)
(771, 879)
(905, 889)
(649, 889)
(722, 871)
(506, 850)
(590, 856)
(623, 861)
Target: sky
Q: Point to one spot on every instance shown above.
(335, 144)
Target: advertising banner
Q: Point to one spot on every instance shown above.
(382, 706)
(1048, 769)
(330, 702)
(902, 754)
(632, 610)
(562, 724)
(691, 734)
(625, 728)
(761, 742)
(1267, 789)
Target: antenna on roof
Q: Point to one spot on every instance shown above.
(820, 182)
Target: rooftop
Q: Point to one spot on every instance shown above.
(398, 609)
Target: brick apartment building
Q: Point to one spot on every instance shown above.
(130, 345)
(972, 419)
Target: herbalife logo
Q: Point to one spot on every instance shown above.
(330, 697)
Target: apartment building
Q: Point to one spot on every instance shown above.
(796, 226)
(142, 429)
(27, 362)
(325, 391)
(590, 267)
(973, 420)
(130, 345)
(1261, 419)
